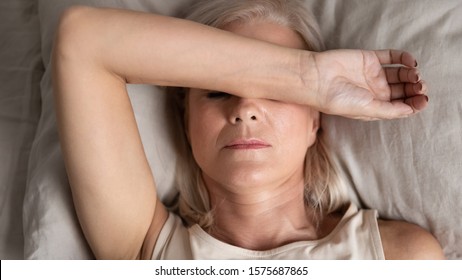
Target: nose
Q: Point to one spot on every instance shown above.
(245, 110)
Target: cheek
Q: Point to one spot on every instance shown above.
(203, 129)
(298, 134)
(298, 125)
(196, 127)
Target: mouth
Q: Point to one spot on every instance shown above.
(247, 144)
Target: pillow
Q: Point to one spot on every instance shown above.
(51, 227)
(407, 169)
(20, 73)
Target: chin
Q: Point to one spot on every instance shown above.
(246, 176)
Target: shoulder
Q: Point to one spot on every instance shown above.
(407, 241)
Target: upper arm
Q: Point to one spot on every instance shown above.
(406, 241)
(112, 185)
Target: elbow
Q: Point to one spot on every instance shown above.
(73, 33)
(72, 46)
(73, 52)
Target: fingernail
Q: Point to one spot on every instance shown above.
(414, 75)
(426, 97)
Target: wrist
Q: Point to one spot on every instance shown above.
(309, 87)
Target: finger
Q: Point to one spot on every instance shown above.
(405, 90)
(396, 57)
(402, 75)
(378, 109)
(381, 109)
(417, 103)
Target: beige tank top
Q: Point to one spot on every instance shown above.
(355, 237)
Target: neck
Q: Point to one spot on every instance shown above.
(263, 219)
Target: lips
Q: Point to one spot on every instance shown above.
(247, 144)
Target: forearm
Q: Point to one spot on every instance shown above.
(152, 49)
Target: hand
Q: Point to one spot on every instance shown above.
(355, 84)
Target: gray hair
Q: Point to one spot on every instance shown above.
(289, 13)
(324, 191)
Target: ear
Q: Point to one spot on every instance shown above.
(316, 121)
(313, 134)
(186, 117)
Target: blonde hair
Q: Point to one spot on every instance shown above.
(324, 190)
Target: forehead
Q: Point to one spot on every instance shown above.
(269, 32)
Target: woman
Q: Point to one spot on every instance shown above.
(251, 114)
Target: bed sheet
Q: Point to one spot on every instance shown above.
(408, 169)
(20, 73)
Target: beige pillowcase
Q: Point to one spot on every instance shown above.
(20, 73)
(408, 169)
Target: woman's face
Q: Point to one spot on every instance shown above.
(246, 143)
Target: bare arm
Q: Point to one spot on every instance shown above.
(404, 241)
(97, 51)
(152, 49)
